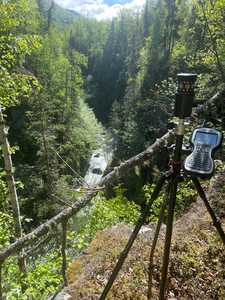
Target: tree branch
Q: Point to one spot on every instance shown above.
(43, 229)
(118, 172)
(109, 179)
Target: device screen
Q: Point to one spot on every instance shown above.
(206, 138)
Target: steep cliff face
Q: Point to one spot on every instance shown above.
(196, 265)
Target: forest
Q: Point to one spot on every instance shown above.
(71, 85)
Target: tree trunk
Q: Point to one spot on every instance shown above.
(48, 179)
(63, 251)
(11, 186)
(1, 297)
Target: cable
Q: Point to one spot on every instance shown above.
(81, 180)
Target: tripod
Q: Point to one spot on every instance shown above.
(172, 175)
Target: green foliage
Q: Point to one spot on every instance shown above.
(45, 278)
(6, 219)
(184, 198)
(56, 119)
(139, 133)
(104, 213)
(6, 223)
(16, 42)
(212, 14)
(42, 278)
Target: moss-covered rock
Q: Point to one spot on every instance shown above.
(197, 264)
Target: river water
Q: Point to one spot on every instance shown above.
(99, 161)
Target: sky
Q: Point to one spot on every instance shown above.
(100, 9)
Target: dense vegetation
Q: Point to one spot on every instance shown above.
(62, 76)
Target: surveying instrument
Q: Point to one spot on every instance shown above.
(199, 163)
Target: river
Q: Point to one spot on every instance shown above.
(99, 161)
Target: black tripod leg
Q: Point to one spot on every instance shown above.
(215, 220)
(169, 230)
(159, 224)
(132, 238)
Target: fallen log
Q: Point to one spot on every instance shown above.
(45, 228)
(209, 103)
(119, 171)
(139, 159)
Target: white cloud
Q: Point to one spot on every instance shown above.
(99, 9)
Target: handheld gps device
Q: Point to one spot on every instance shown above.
(200, 161)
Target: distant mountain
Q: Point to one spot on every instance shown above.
(60, 16)
(63, 16)
(101, 9)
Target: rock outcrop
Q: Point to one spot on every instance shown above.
(196, 265)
